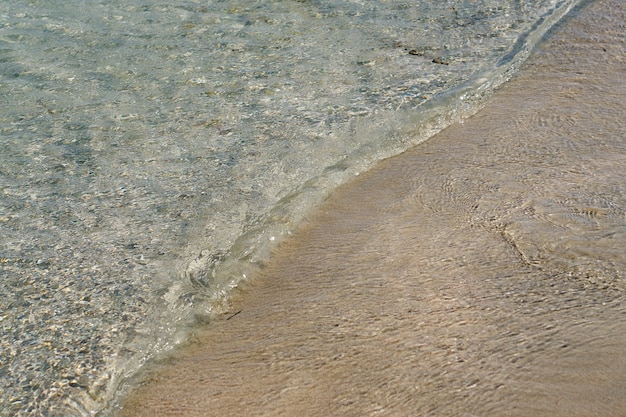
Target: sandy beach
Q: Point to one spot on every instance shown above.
(481, 273)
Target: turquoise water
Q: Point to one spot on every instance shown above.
(151, 154)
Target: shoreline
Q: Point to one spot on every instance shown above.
(453, 271)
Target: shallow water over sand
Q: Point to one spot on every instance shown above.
(150, 151)
(480, 274)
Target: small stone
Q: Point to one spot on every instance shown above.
(140, 260)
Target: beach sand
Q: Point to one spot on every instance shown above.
(481, 273)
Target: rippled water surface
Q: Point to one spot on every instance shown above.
(150, 151)
(481, 273)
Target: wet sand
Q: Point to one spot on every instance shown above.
(480, 274)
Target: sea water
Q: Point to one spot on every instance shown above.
(151, 154)
(481, 273)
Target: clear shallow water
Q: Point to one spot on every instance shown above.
(480, 273)
(151, 152)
